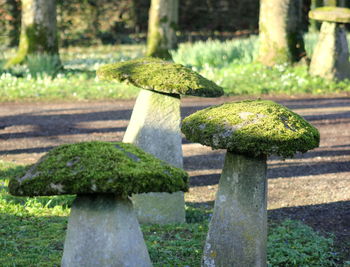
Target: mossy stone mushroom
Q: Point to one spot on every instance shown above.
(102, 228)
(250, 131)
(331, 55)
(155, 122)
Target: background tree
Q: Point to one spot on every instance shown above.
(280, 32)
(38, 30)
(163, 20)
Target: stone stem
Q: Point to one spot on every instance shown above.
(155, 127)
(238, 229)
(103, 231)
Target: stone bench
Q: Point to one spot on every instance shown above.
(331, 55)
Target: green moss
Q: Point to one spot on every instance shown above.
(253, 127)
(331, 14)
(159, 75)
(99, 167)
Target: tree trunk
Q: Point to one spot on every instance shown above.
(163, 20)
(281, 39)
(38, 30)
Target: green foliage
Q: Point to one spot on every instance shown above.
(251, 127)
(293, 244)
(216, 54)
(99, 167)
(41, 65)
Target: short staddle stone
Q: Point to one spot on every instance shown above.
(99, 167)
(330, 59)
(159, 75)
(103, 231)
(331, 14)
(251, 127)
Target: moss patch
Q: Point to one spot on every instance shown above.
(253, 127)
(331, 14)
(159, 75)
(99, 167)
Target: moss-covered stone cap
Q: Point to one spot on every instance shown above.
(331, 14)
(253, 127)
(99, 167)
(159, 75)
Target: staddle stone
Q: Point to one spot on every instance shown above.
(238, 229)
(103, 231)
(331, 14)
(330, 59)
(155, 127)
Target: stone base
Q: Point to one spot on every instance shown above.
(103, 231)
(155, 127)
(160, 208)
(330, 59)
(238, 229)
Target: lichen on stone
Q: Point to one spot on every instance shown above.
(331, 14)
(159, 75)
(98, 168)
(252, 127)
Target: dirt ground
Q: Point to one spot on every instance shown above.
(313, 187)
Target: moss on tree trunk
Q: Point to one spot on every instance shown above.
(281, 38)
(163, 20)
(38, 30)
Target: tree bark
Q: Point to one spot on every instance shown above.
(280, 32)
(38, 30)
(163, 20)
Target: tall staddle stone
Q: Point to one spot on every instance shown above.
(240, 209)
(155, 123)
(250, 131)
(159, 135)
(330, 59)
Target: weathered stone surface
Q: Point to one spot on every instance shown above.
(161, 76)
(103, 231)
(99, 167)
(238, 233)
(160, 208)
(155, 127)
(331, 14)
(331, 55)
(251, 127)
